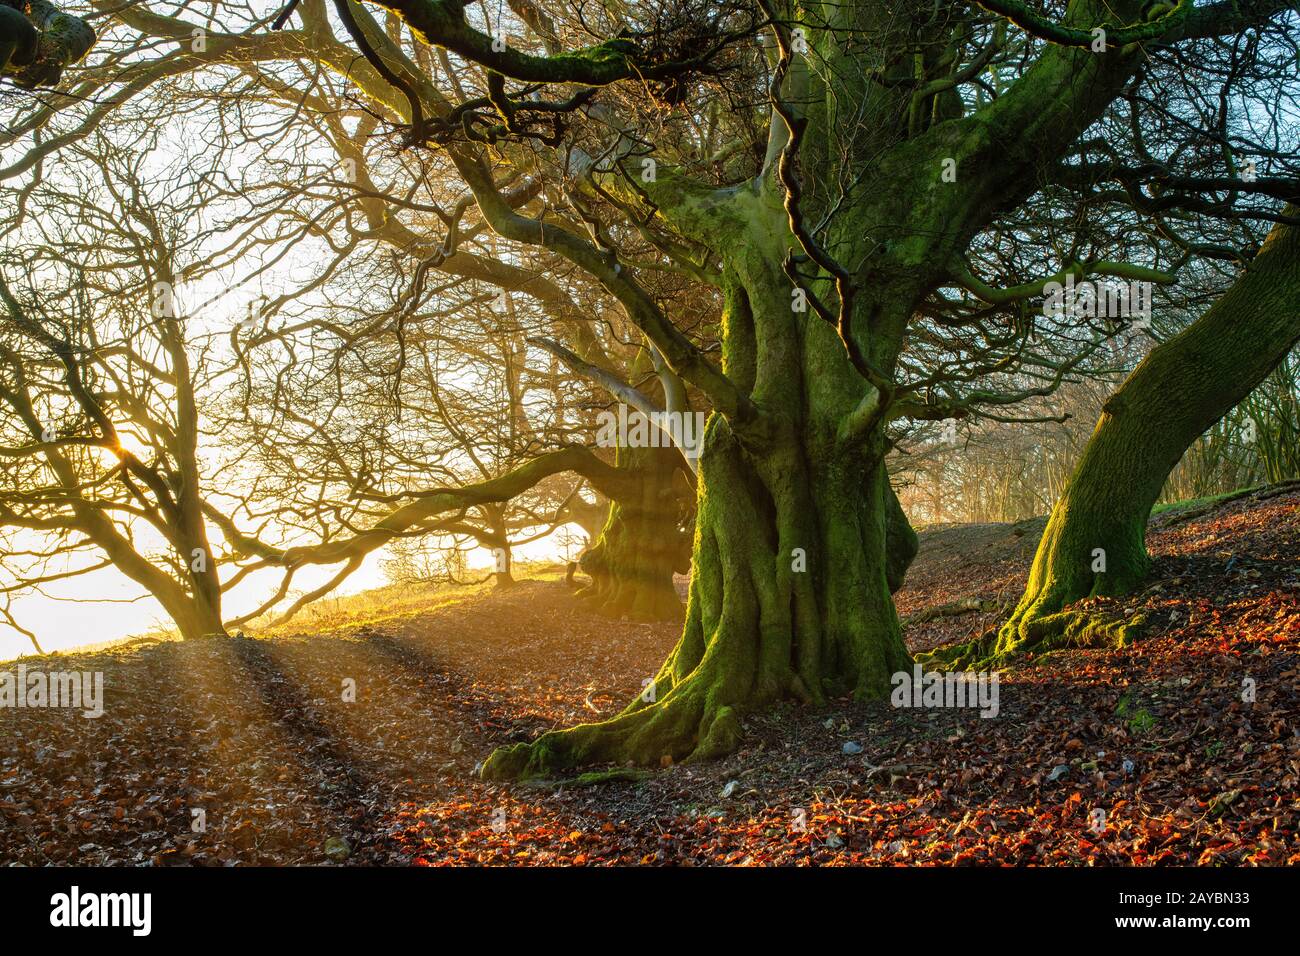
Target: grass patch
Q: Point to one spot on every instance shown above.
(1204, 502)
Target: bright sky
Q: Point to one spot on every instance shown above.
(105, 605)
(121, 611)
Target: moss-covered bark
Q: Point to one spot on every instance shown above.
(901, 541)
(790, 594)
(645, 539)
(789, 598)
(38, 40)
(1094, 543)
(790, 590)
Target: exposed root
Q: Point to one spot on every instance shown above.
(1037, 635)
(680, 728)
(963, 656)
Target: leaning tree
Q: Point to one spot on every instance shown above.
(1095, 540)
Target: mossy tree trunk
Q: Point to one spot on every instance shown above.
(790, 589)
(901, 541)
(789, 597)
(1095, 541)
(645, 540)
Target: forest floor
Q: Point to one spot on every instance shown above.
(220, 752)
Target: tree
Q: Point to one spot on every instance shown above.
(38, 41)
(1095, 540)
(98, 403)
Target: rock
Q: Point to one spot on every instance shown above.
(852, 747)
(731, 787)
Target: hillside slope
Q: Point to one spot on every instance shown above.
(255, 738)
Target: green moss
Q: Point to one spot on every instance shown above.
(756, 630)
(1203, 502)
(1065, 630)
(596, 778)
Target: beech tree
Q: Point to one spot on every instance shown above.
(1095, 540)
(99, 420)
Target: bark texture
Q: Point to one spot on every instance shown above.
(38, 41)
(790, 594)
(645, 540)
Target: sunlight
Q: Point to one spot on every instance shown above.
(127, 442)
(730, 432)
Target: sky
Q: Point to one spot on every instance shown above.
(106, 605)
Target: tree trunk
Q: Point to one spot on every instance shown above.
(789, 597)
(901, 541)
(642, 543)
(1095, 541)
(194, 616)
(790, 590)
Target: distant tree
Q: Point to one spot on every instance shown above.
(99, 417)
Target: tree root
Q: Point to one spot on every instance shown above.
(1072, 628)
(955, 609)
(677, 729)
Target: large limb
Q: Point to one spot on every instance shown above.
(426, 507)
(677, 350)
(38, 41)
(690, 208)
(1005, 149)
(442, 23)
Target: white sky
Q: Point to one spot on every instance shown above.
(122, 609)
(105, 605)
